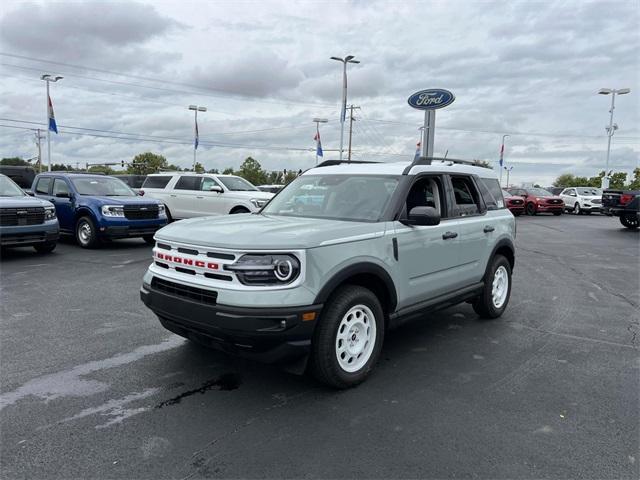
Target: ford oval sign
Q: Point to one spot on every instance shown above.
(431, 99)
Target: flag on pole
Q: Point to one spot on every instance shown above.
(318, 144)
(52, 118)
(197, 139)
(417, 155)
(501, 155)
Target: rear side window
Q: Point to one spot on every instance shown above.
(466, 197)
(491, 193)
(43, 185)
(156, 182)
(188, 183)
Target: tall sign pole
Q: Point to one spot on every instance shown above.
(430, 100)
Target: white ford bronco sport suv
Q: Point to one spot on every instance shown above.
(188, 194)
(342, 253)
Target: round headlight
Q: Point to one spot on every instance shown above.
(283, 270)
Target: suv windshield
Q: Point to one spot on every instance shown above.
(540, 192)
(102, 186)
(589, 192)
(8, 188)
(337, 197)
(237, 184)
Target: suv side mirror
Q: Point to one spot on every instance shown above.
(30, 193)
(216, 188)
(423, 216)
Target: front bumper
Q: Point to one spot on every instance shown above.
(130, 228)
(29, 235)
(270, 335)
(542, 207)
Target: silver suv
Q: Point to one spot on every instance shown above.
(341, 254)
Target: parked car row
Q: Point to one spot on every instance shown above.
(538, 200)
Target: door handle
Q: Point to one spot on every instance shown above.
(488, 229)
(199, 197)
(172, 195)
(449, 235)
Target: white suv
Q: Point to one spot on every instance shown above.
(187, 194)
(581, 200)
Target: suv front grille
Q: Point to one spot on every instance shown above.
(21, 216)
(554, 201)
(141, 212)
(199, 295)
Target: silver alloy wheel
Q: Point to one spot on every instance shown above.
(500, 287)
(576, 209)
(84, 233)
(356, 338)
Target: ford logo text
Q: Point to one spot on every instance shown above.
(431, 99)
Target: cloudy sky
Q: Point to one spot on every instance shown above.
(528, 69)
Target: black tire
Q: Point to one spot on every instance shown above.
(46, 247)
(324, 355)
(238, 210)
(630, 221)
(168, 214)
(517, 214)
(576, 209)
(149, 239)
(531, 209)
(86, 233)
(484, 305)
(557, 213)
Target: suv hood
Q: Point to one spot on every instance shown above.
(124, 200)
(260, 232)
(14, 202)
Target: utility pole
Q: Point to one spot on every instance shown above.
(39, 137)
(351, 120)
(51, 122)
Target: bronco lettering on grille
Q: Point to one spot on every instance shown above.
(186, 261)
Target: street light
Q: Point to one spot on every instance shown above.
(49, 78)
(343, 113)
(318, 121)
(502, 156)
(612, 127)
(508, 172)
(196, 109)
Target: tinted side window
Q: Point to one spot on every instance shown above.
(60, 186)
(156, 182)
(427, 192)
(43, 185)
(491, 193)
(466, 196)
(207, 183)
(188, 182)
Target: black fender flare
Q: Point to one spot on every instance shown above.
(368, 268)
(502, 243)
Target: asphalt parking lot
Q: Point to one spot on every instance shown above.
(93, 386)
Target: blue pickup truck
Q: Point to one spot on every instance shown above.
(26, 221)
(98, 207)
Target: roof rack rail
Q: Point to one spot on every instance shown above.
(428, 160)
(330, 163)
(76, 172)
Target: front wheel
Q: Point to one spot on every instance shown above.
(629, 221)
(86, 234)
(531, 209)
(149, 239)
(239, 210)
(347, 342)
(497, 289)
(46, 247)
(576, 209)
(557, 213)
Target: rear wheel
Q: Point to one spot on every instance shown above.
(86, 234)
(531, 208)
(347, 342)
(46, 247)
(497, 289)
(629, 221)
(576, 209)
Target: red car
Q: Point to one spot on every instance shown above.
(538, 200)
(514, 203)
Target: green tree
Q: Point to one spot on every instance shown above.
(618, 180)
(482, 163)
(60, 167)
(16, 161)
(252, 171)
(275, 178)
(228, 171)
(199, 168)
(289, 176)
(101, 169)
(565, 180)
(214, 171)
(146, 163)
(635, 183)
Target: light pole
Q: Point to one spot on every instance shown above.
(318, 121)
(49, 78)
(196, 140)
(612, 127)
(343, 112)
(508, 172)
(502, 156)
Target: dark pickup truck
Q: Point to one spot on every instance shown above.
(622, 204)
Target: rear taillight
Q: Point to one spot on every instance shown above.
(625, 198)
